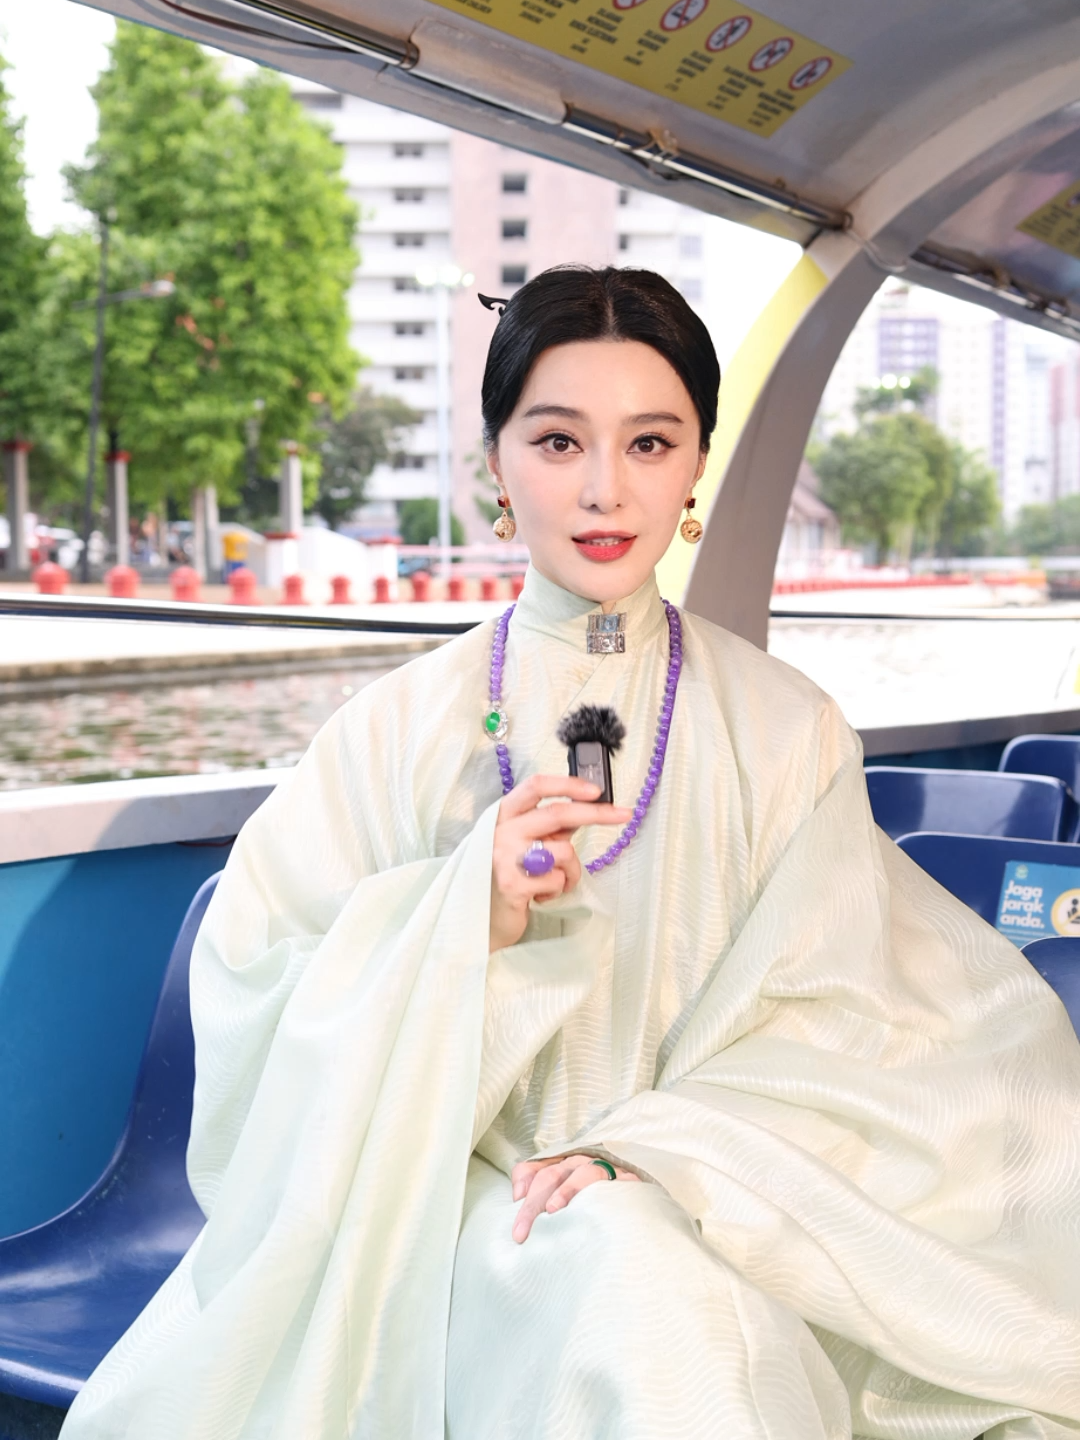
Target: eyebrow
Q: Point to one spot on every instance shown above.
(567, 412)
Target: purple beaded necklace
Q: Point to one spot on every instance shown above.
(497, 725)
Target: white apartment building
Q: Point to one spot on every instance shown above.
(398, 170)
(994, 392)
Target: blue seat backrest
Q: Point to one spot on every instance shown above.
(1057, 959)
(161, 1111)
(1054, 755)
(969, 802)
(972, 866)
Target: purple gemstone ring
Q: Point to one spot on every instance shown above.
(537, 860)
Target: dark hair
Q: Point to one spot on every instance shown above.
(574, 302)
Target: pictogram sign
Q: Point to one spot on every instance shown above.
(771, 54)
(682, 13)
(728, 34)
(810, 73)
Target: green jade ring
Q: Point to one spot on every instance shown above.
(609, 1168)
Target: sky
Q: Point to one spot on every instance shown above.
(56, 50)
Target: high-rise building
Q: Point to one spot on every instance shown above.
(398, 169)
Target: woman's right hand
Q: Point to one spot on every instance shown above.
(522, 819)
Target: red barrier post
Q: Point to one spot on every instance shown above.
(382, 590)
(122, 582)
(517, 584)
(184, 583)
(293, 590)
(50, 578)
(455, 588)
(242, 587)
(421, 585)
(340, 592)
(489, 588)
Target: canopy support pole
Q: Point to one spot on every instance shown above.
(768, 401)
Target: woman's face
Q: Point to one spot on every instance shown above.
(598, 459)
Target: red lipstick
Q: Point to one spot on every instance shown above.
(604, 545)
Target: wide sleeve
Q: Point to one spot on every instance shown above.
(288, 891)
(873, 1114)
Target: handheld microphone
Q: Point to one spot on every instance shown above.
(591, 735)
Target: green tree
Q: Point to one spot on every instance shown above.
(972, 507)
(419, 523)
(876, 480)
(237, 195)
(1048, 529)
(22, 262)
(365, 436)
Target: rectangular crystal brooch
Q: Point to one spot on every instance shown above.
(606, 635)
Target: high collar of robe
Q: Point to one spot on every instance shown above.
(545, 608)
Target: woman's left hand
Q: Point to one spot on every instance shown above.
(550, 1185)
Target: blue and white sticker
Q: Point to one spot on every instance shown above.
(1038, 900)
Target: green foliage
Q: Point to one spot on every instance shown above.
(365, 436)
(876, 480)
(21, 274)
(899, 482)
(1048, 529)
(419, 523)
(972, 509)
(235, 194)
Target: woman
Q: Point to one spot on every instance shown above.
(835, 1113)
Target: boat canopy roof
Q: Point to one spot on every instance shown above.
(808, 119)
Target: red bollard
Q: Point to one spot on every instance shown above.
(340, 591)
(242, 586)
(421, 585)
(184, 583)
(455, 588)
(382, 590)
(293, 593)
(50, 579)
(489, 588)
(122, 582)
(517, 584)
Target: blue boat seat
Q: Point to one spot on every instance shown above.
(1055, 755)
(973, 866)
(969, 802)
(1057, 959)
(71, 1287)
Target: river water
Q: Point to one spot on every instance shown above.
(883, 673)
(169, 729)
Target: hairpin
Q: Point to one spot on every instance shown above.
(493, 302)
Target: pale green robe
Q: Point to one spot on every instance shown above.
(857, 1107)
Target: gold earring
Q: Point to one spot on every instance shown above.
(505, 527)
(691, 530)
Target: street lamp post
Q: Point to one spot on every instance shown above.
(153, 290)
(443, 279)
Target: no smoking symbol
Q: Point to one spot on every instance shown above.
(728, 34)
(772, 53)
(679, 15)
(810, 73)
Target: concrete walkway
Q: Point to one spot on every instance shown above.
(42, 654)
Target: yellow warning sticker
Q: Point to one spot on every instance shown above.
(733, 63)
(1057, 223)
